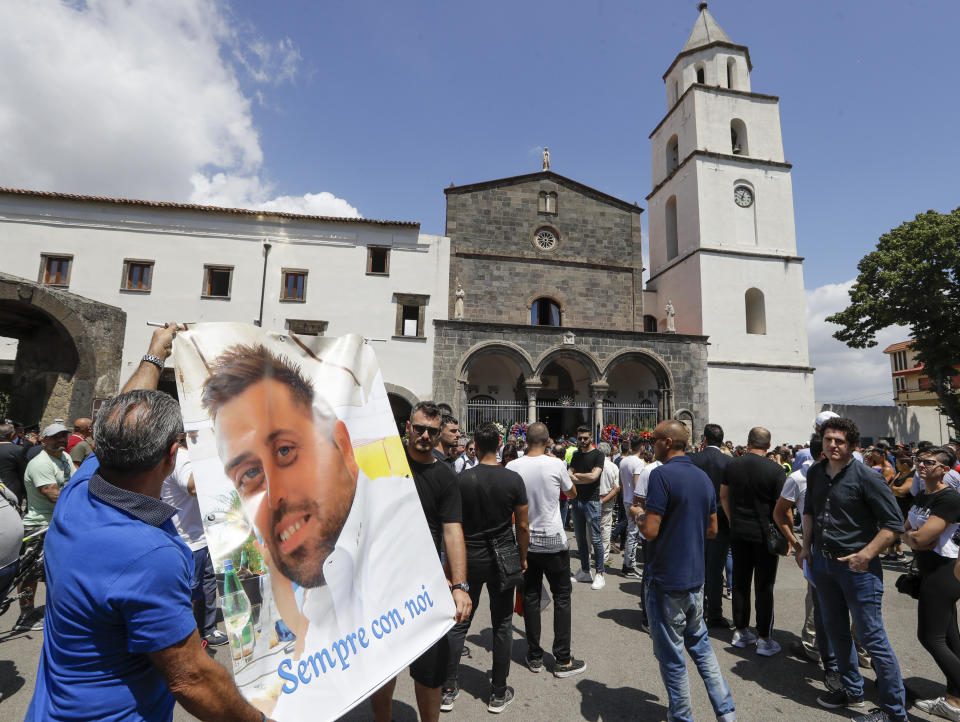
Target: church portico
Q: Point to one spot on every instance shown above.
(487, 372)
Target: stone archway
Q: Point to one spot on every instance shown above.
(68, 353)
(640, 389)
(402, 401)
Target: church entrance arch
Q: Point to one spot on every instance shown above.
(565, 398)
(494, 378)
(68, 351)
(639, 391)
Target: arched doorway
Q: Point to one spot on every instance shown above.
(639, 393)
(565, 399)
(67, 355)
(401, 401)
(495, 386)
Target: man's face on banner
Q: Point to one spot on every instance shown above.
(295, 476)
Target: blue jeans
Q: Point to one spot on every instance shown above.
(631, 544)
(676, 621)
(843, 593)
(584, 513)
(203, 592)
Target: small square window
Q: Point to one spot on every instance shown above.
(294, 286)
(378, 261)
(137, 276)
(55, 270)
(217, 281)
(411, 315)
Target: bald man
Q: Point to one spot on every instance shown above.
(78, 444)
(681, 513)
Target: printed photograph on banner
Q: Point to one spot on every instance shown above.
(328, 578)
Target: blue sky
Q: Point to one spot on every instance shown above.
(375, 107)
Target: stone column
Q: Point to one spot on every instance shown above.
(599, 390)
(460, 402)
(665, 410)
(532, 387)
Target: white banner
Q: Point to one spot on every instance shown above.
(304, 485)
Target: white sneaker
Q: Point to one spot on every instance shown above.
(939, 707)
(582, 576)
(767, 647)
(744, 639)
(598, 582)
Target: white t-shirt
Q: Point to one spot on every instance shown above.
(795, 487)
(640, 490)
(174, 491)
(463, 463)
(630, 466)
(544, 477)
(609, 479)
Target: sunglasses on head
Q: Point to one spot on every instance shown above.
(420, 429)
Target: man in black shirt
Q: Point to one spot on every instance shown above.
(440, 497)
(13, 462)
(493, 499)
(751, 486)
(849, 517)
(585, 469)
(713, 462)
(447, 440)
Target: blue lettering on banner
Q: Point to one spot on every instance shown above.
(319, 663)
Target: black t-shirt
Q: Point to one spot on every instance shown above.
(753, 481)
(13, 462)
(944, 504)
(584, 463)
(439, 495)
(488, 495)
(440, 456)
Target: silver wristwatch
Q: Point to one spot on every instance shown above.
(461, 585)
(155, 360)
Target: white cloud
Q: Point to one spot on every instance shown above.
(135, 99)
(844, 374)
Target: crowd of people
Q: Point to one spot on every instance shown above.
(693, 525)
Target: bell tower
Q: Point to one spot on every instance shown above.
(722, 239)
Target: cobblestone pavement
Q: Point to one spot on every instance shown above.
(622, 681)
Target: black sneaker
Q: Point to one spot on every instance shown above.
(498, 703)
(216, 638)
(630, 572)
(874, 715)
(838, 699)
(29, 621)
(575, 666)
(449, 697)
(833, 680)
(534, 665)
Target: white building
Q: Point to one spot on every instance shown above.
(722, 241)
(178, 262)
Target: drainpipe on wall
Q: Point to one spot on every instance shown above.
(263, 282)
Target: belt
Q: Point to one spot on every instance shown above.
(833, 555)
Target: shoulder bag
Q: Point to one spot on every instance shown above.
(909, 583)
(776, 542)
(506, 552)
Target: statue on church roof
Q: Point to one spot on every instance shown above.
(458, 304)
(546, 158)
(671, 317)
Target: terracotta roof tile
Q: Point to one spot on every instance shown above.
(197, 207)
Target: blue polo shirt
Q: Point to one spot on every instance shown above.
(683, 495)
(118, 581)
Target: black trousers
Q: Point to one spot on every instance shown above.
(716, 559)
(937, 622)
(752, 562)
(556, 567)
(482, 573)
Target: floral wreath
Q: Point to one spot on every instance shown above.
(519, 430)
(611, 433)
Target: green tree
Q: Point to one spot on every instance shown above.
(913, 279)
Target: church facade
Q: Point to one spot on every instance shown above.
(550, 325)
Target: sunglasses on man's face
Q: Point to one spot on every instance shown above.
(420, 430)
(928, 462)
